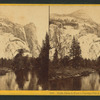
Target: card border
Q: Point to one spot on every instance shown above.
(46, 92)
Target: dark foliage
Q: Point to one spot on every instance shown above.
(75, 53)
(55, 59)
(44, 62)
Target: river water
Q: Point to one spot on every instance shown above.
(90, 82)
(30, 81)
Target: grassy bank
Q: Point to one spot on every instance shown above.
(65, 72)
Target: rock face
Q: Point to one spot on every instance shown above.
(78, 24)
(15, 36)
(31, 38)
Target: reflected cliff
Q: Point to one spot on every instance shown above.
(29, 80)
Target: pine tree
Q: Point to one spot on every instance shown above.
(55, 59)
(65, 61)
(75, 53)
(98, 61)
(44, 57)
(18, 60)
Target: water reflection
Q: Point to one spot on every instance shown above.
(90, 82)
(30, 80)
(8, 82)
(27, 79)
(65, 84)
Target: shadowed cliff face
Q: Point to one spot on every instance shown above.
(79, 25)
(31, 38)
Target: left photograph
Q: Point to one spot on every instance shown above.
(24, 47)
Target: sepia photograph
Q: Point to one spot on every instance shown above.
(74, 48)
(22, 32)
(52, 48)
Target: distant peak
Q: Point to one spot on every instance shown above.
(80, 14)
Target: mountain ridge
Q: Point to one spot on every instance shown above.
(64, 26)
(13, 37)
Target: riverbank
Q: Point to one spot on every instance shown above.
(4, 70)
(66, 72)
(61, 72)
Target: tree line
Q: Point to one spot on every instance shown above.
(43, 62)
(74, 59)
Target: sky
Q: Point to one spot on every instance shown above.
(26, 14)
(92, 11)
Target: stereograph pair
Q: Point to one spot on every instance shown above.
(49, 47)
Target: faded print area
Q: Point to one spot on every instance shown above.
(49, 48)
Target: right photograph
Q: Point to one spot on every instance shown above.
(74, 55)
